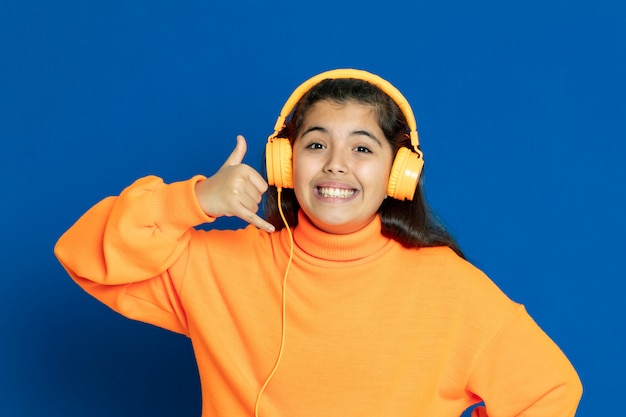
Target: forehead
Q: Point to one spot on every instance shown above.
(350, 110)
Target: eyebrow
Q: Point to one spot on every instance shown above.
(353, 133)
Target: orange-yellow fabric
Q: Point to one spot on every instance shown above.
(372, 328)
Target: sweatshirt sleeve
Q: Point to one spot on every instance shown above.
(122, 250)
(523, 373)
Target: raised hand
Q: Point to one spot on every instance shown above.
(235, 189)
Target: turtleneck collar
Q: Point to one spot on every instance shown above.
(344, 248)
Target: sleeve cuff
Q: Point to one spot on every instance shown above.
(176, 208)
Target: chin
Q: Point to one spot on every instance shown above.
(340, 228)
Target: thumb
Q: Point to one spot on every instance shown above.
(238, 153)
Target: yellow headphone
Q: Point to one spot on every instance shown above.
(407, 165)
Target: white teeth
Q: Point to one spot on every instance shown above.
(335, 192)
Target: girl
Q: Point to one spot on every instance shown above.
(348, 299)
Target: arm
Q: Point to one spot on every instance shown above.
(133, 237)
(122, 251)
(523, 373)
(130, 251)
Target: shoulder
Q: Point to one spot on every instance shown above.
(462, 283)
(443, 262)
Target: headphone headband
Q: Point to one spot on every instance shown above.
(374, 79)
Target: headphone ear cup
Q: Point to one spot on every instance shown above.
(405, 174)
(278, 163)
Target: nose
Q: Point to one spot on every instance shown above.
(336, 162)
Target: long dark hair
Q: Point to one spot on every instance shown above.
(411, 223)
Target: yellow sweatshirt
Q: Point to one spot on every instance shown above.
(371, 328)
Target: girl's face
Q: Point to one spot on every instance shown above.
(341, 165)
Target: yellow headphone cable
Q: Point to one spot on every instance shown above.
(284, 307)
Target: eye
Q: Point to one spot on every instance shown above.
(315, 145)
(363, 149)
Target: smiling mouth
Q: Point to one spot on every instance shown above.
(335, 192)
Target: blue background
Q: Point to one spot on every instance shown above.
(521, 110)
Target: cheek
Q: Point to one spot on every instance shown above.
(301, 175)
(380, 181)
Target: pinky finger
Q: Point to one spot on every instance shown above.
(254, 219)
